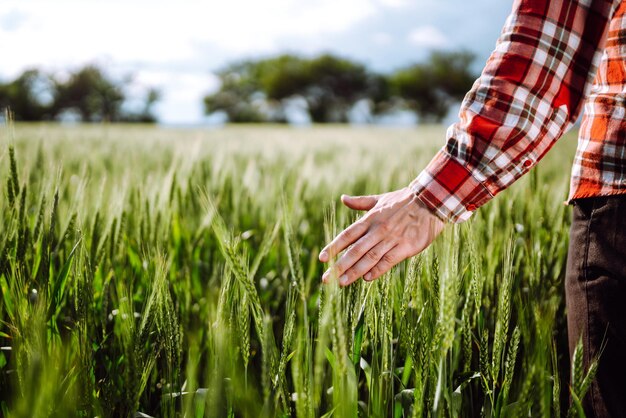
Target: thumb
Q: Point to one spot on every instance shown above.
(360, 202)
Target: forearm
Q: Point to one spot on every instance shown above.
(529, 93)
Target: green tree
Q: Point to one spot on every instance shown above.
(29, 96)
(329, 84)
(35, 96)
(92, 94)
(239, 84)
(255, 91)
(432, 87)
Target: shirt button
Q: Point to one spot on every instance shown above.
(471, 207)
(527, 163)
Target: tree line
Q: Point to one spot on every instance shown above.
(87, 94)
(260, 90)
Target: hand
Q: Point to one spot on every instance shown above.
(397, 226)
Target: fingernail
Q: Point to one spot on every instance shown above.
(325, 275)
(343, 279)
(367, 277)
(323, 255)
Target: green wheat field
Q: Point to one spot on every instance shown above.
(154, 272)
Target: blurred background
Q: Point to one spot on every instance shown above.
(192, 63)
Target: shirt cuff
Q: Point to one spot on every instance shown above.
(449, 190)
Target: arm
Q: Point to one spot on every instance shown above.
(529, 93)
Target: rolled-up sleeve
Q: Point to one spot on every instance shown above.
(529, 94)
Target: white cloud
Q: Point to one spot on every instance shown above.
(382, 38)
(11, 20)
(395, 3)
(428, 37)
(71, 31)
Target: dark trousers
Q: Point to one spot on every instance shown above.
(595, 288)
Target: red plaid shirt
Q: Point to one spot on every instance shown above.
(529, 94)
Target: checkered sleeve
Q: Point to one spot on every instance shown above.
(529, 93)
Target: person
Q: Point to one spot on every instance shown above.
(553, 57)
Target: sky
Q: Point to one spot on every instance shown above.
(176, 46)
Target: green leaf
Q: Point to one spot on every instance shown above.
(510, 409)
(576, 406)
(367, 369)
(329, 413)
(6, 297)
(331, 358)
(403, 402)
(134, 259)
(58, 291)
(357, 338)
(465, 378)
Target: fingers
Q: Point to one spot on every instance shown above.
(390, 259)
(364, 247)
(343, 240)
(359, 202)
(367, 262)
(352, 233)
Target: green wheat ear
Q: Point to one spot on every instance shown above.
(580, 381)
(13, 181)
